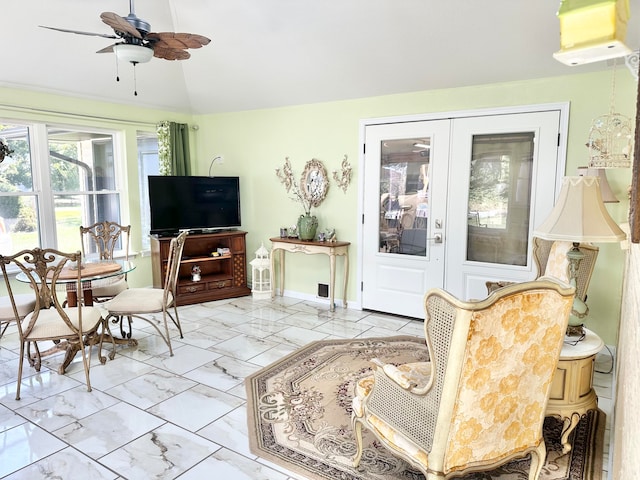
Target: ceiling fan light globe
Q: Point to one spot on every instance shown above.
(133, 53)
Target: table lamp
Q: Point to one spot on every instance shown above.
(579, 215)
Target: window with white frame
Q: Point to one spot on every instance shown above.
(57, 179)
(148, 164)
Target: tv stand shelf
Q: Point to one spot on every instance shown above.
(210, 258)
(224, 276)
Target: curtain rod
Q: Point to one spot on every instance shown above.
(73, 115)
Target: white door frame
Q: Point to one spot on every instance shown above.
(563, 107)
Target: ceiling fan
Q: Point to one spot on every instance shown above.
(137, 44)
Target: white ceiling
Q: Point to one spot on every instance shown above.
(270, 53)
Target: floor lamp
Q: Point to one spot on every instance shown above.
(578, 216)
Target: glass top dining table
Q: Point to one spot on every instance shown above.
(91, 272)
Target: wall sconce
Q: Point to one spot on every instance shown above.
(344, 178)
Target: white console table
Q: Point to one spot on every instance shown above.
(295, 245)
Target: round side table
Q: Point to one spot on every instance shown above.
(572, 394)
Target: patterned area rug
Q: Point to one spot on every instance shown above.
(299, 412)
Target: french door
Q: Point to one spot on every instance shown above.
(405, 177)
(451, 203)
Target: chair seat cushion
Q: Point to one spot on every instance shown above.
(25, 303)
(111, 289)
(50, 325)
(137, 300)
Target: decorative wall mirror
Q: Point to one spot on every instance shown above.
(314, 182)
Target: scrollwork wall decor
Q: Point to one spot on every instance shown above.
(344, 178)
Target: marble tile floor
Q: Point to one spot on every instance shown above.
(155, 416)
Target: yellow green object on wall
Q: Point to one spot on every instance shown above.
(587, 22)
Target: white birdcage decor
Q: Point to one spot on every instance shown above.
(611, 137)
(610, 142)
(261, 274)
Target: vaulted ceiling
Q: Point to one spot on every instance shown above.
(270, 53)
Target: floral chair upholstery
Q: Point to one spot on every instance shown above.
(480, 401)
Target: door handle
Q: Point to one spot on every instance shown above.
(437, 238)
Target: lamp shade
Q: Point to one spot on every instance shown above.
(133, 53)
(580, 215)
(605, 188)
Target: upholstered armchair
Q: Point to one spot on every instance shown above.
(480, 402)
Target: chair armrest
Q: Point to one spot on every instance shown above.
(413, 377)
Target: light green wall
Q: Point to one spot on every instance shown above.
(255, 143)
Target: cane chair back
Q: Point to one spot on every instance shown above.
(143, 303)
(44, 270)
(490, 371)
(551, 260)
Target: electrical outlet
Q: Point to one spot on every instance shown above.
(220, 159)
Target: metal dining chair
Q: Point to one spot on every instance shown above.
(143, 303)
(71, 328)
(104, 238)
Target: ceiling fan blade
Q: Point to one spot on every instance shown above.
(119, 24)
(177, 40)
(108, 49)
(170, 53)
(78, 32)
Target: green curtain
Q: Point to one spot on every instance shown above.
(173, 148)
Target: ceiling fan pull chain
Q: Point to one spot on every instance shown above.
(117, 69)
(135, 80)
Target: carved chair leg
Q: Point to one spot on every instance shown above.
(357, 430)
(538, 457)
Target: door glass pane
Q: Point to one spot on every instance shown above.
(500, 198)
(404, 196)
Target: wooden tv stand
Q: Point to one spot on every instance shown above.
(224, 276)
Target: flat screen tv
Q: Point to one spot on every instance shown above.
(193, 203)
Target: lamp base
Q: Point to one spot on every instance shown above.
(575, 331)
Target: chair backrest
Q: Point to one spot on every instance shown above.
(43, 270)
(105, 237)
(493, 362)
(551, 261)
(173, 266)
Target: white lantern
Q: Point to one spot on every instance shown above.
(261, 274)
